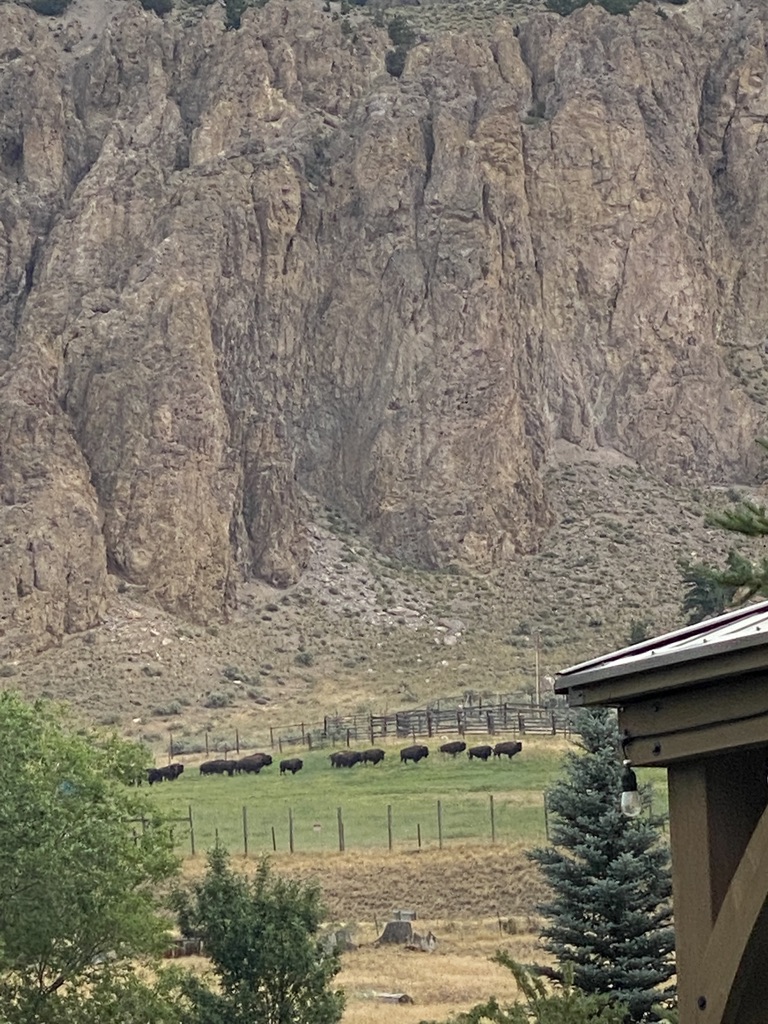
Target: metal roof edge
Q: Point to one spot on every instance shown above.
(596, 666)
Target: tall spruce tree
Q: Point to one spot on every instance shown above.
(710, 589)
(610, 910)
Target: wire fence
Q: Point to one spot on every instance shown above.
(409, 824)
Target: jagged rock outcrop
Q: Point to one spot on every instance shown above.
(240, 268)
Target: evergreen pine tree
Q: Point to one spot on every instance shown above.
(610, 909)
(711, 589)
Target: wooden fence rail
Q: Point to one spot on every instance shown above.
(431, 722)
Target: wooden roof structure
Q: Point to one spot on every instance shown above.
(695, 702)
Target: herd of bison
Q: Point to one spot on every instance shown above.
(253, 763)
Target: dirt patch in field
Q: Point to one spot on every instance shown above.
(461, 883)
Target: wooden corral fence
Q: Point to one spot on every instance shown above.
(471, 719)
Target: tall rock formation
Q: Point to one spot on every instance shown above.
(241, 268)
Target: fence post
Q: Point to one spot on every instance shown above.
(370, 728)
(170, 746)
(290, 830)
(280, 744)
(493, 820)
(440, 824)
(245, 832)
(418, 834)
(271, 738)
(554, 725)
(340, 823)
(348, 731)
(207, 751)
(302, 732)
(389, 826)
(237, 740)
(309, 741)
(546, 816)
(521, 723)
(274, 840)
(191, 832)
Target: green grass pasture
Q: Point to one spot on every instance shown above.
(313, 796)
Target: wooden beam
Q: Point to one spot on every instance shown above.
(736, 699)
(650, 679)
(669, 748)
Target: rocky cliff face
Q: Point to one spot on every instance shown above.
(245, 269)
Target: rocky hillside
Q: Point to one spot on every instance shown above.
(250, 279)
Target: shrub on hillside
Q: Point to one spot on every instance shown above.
(52, 8)
(160, 7)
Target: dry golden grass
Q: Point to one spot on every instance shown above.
(440, 983)
(462, 883)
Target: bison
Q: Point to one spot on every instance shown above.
(170, 772)
(454, 747)
(508, 747)
(218, 767)
(483, 752)
(248, 765)
(346, 758)
(292, 765)
(414, 753)
(373, 755)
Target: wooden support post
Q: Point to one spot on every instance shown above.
(709, 832)
(274, 840)
(340, 823)
(191, 832)
(245, 832)
(440, 824)
(418, 834)
(493, 819)
(290, 830)
(207, 751)
(237, 740)
(389, 827)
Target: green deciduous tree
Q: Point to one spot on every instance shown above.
(610, 910)
(261, 936)
(78, 883)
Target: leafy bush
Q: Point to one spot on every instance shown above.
(218, 700)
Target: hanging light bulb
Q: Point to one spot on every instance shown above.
(631, 803)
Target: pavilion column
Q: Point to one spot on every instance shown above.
(714, 804)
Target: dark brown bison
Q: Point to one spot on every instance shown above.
(249, 765)
(346, 758)
(292, 765)
(373, 755)
(169, 771)
(483, 752)
(218, 767)
(508, 747)
(414, 753)
(454, 747)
